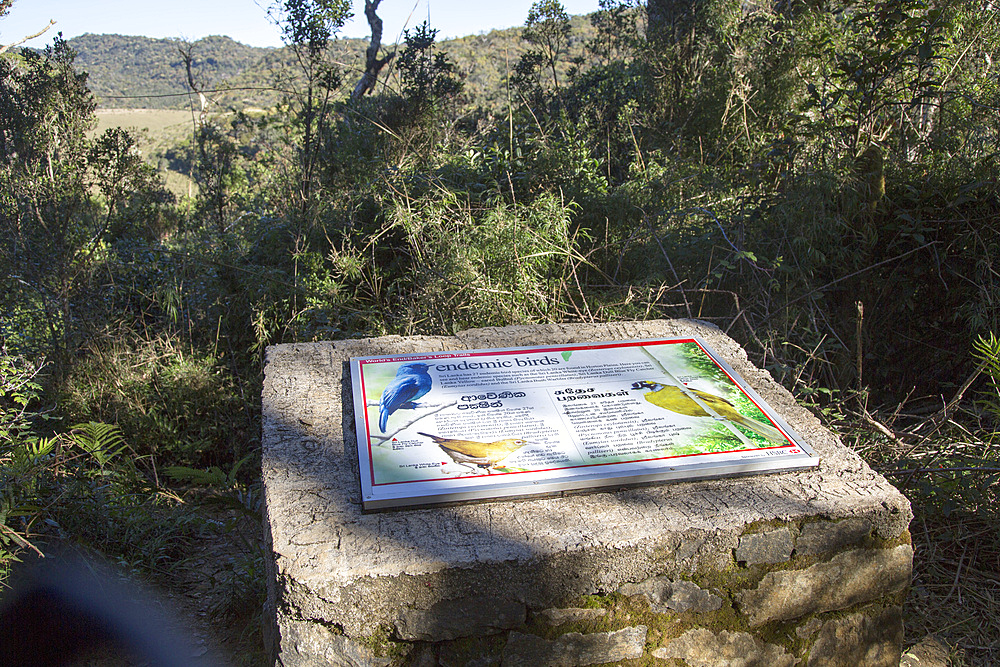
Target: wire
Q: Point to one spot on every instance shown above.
(184, 94)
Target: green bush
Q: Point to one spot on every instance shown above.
(85, 485)
(488, 266)
(23, 458)
(175, 405)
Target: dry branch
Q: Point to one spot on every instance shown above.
(37, 34)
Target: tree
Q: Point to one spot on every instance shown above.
(5, 6)
(547, 29)
(426, 75)
(60, 191)
(373, 64)
(45, 113)
(216, 170)
(617, 35)
(307, 26)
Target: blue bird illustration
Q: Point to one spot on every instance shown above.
(411, 382)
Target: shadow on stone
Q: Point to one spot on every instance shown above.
(419, 582)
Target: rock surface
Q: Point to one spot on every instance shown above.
(704, 648)
(872, 639)
(665, 595)
(573, 615)
(849, 578)
(451, 619)
(772, 546)
(574, 649)
(311, 645)
(928, 652)
(821, 537)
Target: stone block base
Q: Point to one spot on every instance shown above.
(806, 568)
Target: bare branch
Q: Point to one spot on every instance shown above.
(37, 34)
(435, 408)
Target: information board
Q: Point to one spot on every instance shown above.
(444, 427)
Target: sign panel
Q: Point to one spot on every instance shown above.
(451, 426)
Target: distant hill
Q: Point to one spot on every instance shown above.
(143, 73)
(488, 58)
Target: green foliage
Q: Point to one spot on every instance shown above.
(617, 26)
(884, 62)
(312, 23)
(229, 491)
(64, 196)
(22, 456)
(103, 442)
(427, 76)
(227, 168)
(142, 73)
(169, 403)
(51, 230)
(308, 26)
(76, 483)
(820, 125)
(512, 265)
(547, 29)
(17, 391)
(987, 351)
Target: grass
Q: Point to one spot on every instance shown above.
(945, 462)
(160, 123)
(160, 130)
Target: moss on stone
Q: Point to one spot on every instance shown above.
(380, 643)
(762, 526)
(727, 582)
(593, 602)
(903, 538)
(780, 633)
(620, 612)
(629, 611)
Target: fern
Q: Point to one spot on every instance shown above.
(104, 442)
(987, 352)
(227, 490)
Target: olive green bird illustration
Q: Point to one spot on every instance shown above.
(670, 397)
(486, 455)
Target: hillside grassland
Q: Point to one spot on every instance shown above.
(144, 73)
(165, 125)
(157, 131)
(819, 180)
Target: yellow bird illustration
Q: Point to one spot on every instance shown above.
(486, 455)
(672, 398)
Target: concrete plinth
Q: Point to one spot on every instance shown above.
(779, 569)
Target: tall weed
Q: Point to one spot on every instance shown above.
(172, 404)
(486, 266)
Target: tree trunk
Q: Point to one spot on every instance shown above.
(373, 64)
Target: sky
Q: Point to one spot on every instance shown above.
(246, 21)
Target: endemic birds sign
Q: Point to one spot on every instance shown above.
(452, 426)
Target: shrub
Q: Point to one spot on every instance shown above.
(177, 405)
(485, 266)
